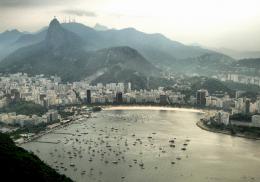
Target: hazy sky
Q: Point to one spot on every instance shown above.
(233, 24)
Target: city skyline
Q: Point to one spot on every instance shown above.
(130, 90)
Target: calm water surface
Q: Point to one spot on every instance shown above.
(133, 145)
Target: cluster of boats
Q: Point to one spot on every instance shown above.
(110, 145)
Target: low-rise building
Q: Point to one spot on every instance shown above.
(256, 120)
(222, 117)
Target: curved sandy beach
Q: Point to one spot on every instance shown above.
(157, 108)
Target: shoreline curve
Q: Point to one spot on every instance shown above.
(203, 127)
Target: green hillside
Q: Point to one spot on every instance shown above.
(19, 165)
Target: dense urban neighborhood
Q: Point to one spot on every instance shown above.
(130, 91)
(40, 102)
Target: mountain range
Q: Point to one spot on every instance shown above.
(64, 53)
(100, 27)
(75, 51)
(239, 54)
(7, 39)
(249, 63)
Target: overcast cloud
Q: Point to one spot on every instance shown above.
(26, 3)
(79, 12)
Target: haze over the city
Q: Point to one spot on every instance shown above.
(130, 90)
(233, 24)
